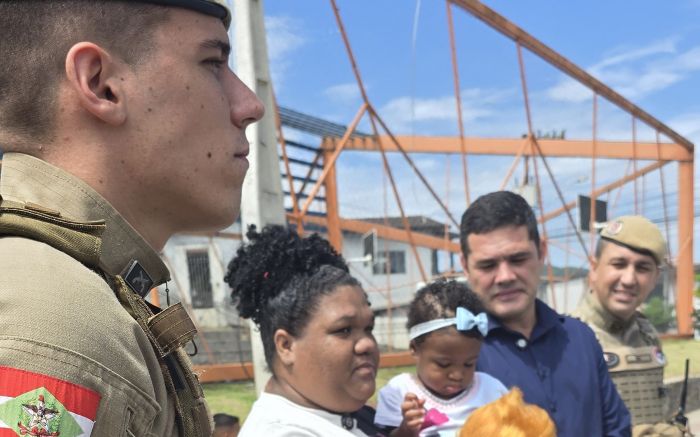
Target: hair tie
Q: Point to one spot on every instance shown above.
(266, 275)
(464, 321)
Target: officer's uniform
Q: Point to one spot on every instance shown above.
(81, 352)
(631, 348)
(634, 357)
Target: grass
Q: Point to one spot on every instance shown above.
(676, 352)
(237, 398)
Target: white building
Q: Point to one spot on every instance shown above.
(198, 265)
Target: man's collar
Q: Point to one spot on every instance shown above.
(28, 179)
(545, 319)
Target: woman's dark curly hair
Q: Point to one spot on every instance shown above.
(277, 278)
(439, 300)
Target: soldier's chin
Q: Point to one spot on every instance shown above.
(623, 310)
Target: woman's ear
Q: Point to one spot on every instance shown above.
(284, 345)
(93, 75)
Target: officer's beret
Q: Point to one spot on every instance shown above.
(215, 8)
(636, 233)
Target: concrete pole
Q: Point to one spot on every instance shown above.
(263, 202)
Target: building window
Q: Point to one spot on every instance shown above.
(200, 280)
(396, 259)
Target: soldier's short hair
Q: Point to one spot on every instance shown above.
(35, 36)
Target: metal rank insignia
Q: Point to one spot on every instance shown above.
(137, 278)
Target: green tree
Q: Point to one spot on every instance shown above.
(658, 313)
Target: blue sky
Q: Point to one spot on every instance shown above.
(649, 51)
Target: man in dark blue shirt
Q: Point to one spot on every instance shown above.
(555, 360)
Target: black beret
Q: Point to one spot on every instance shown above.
(215, 8)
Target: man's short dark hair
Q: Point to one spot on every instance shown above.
(35, 36)
(223, 419)
(494, 211)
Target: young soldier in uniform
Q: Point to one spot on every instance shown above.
(627, 265)
(555, 360)
(122, 124)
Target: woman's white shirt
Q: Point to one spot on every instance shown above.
(276, 416)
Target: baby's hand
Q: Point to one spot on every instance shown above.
(413, 414)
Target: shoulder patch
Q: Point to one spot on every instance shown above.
(33, 404)
(659, 356)
(611, 359)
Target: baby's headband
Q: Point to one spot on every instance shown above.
(464, 321)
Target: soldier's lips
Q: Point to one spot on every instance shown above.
(241, 159)
(243, 154)
(624, 296)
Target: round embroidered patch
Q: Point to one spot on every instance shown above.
(611, 359)
(660, 357)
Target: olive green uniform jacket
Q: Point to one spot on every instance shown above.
(632, 351)
(60, 319)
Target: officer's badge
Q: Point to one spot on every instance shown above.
(138, 278)
(659, 356)
(613, 228)
(611, 359)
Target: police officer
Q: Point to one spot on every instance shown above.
(122, 125)
(627, 265)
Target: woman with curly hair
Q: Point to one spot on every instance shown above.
(316, 328)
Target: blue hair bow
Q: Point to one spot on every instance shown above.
(464, 321)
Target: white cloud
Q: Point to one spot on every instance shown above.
(284, 37)
(438, 115)
(343, 93)
(626, 55)
(687, 125)
(569, 90)
(634, 73)
(690, 60)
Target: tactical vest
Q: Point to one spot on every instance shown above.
(168, 330)
(638, 374)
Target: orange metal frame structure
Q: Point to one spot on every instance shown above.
(678, 149)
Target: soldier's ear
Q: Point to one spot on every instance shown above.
(593, 262)
(592, 274)
(93, 77)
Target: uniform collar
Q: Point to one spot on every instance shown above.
(25, 178)
(601, 317)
